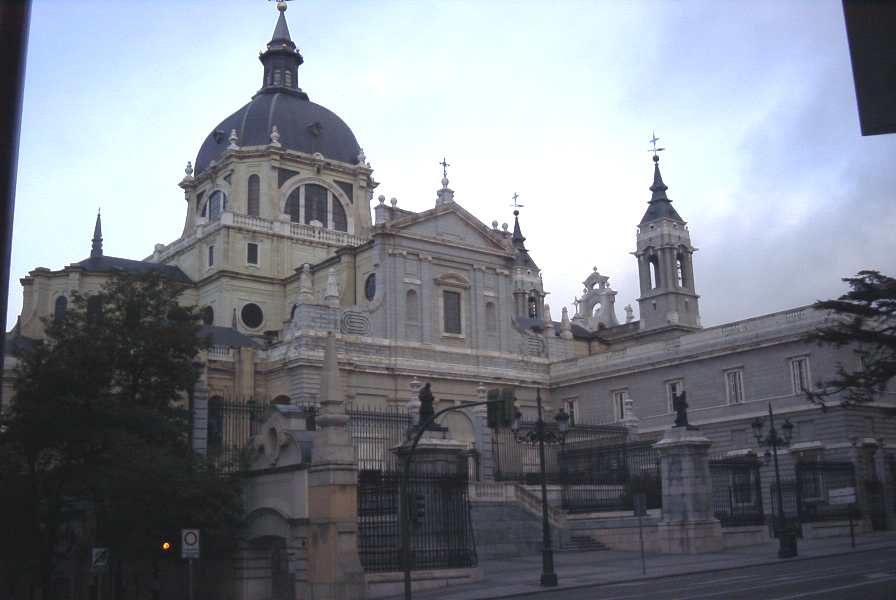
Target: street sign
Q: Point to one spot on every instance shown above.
(99, 560)
(189, 543)
(844, 495)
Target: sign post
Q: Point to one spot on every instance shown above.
(189, 550)
(99, 564)
(640, 502)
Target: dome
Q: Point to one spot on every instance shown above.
(303, 126)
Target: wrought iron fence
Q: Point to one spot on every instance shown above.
(375, 432)
(815, 481)
(230, 426)
(606, 478)
(737, 491)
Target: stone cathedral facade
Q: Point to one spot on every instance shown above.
(285, 240)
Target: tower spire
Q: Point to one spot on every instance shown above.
(96, 248)
(659, 206)
(281, 60)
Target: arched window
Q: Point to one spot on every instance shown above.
(411, 307)
(59, 308)
(680, 274)
(370, 287)
(292, 313)
(217, 203)
(533, 307)
(491, 317)
(654, 272)
(340, 223)
(316, 204)
(208, 315)
(252, 196)
(287, 78)
(293, 208)
(276, 76)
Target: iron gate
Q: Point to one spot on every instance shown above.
(736, 491)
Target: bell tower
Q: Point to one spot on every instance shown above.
(665, 263)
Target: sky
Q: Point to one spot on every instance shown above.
(556, 101)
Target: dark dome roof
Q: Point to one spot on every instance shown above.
(303, 126)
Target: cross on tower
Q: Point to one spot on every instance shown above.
(515, 203)
(445, 166)
(654, 140)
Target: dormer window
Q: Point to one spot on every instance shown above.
(313, 204)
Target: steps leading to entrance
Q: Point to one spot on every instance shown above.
(580, 543)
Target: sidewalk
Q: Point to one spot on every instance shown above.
(519, 576)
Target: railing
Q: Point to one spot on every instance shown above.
(319, 234)
(220, 353)
(253, 222)
(231, 424)
(814, 482)
(375, 432)
(737, 491)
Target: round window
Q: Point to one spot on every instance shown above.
(252, 315)
(370, 286)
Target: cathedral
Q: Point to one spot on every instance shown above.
(286, 241)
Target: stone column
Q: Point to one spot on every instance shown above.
(688, 525)
(483, 436)
(334, 569)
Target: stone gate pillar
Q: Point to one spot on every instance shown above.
(334, 569)
(688, 525)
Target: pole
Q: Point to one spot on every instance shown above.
(784, 547)
(641, 537)
(852, 531)
(190, 577)
(548, 576)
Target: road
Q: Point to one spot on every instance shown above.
(864, 576)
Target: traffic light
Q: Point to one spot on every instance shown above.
(167, 546)
(500, 407)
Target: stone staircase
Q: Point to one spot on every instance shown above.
(570, 542)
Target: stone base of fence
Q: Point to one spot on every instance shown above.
(383, 585)
(689, 537)
(748, 535)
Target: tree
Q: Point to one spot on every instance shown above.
(866, 318)
(99, 428)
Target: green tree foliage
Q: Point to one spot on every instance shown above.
(864, 317)
(99, 431)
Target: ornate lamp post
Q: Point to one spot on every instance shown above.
(786, 536)
(541, 436)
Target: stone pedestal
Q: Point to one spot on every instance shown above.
(688, 525)
(436, 452)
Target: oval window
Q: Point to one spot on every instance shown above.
(252, 315)
(370, 286)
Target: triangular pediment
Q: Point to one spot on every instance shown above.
(452, 224)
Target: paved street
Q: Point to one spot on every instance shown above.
(826, 569)
(869, 576)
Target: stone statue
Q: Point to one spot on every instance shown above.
(629, 313)
(426, 404)
(680, 406)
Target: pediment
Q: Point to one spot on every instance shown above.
(450, 224)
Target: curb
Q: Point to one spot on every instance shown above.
(694, 572)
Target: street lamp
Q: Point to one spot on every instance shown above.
(541, 436)
(786, 536)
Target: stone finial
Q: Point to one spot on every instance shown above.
(233, 139)
(306, 287)
(233, 319)
(629, 313)
(381, 199)
(332, 395)
(331, 295)
(495, 224)
(393, 202)
(565, 325)
(275, 137)
(362, 158)
(188, 171)
(505, 227)
(548, 321)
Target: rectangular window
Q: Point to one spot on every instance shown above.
(734, 386)
(673, 388)
(451, 312)
(805, 431)
(619, 398)
(570, 405)
(799, 374)
(211, 255)
(252, 253)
